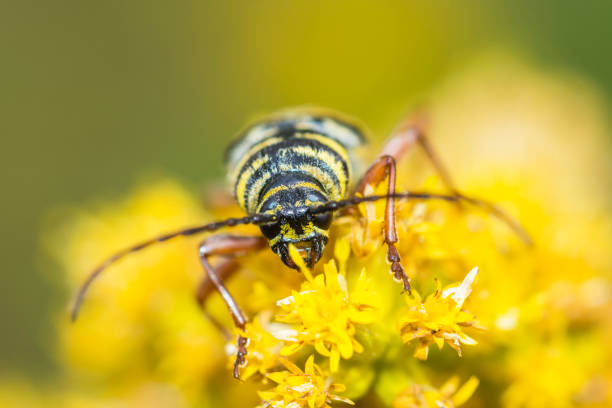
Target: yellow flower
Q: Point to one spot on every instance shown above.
(425, 396)
(296, 388)
(264, 348)
(439, 319)
(325, 313)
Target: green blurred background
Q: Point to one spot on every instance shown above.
(97, 95)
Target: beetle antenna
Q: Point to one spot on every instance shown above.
(185, 232)
(493, 209)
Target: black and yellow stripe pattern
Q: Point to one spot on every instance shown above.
(292, 155)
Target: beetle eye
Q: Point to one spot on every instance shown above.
(323, 220)
(270, 230)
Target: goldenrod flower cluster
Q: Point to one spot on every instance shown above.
(325, 313)
(448, 395)
(525, 327)
(297, 388)
(439, 318)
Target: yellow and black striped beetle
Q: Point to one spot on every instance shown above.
(290, 173)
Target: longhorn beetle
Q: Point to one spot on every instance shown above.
(291, 172)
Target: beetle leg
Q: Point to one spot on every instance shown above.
(225, 270)
(408, 135)
(411, 133)
(228, 246)
(385, 167)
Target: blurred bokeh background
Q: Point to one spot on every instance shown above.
(97, 96)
